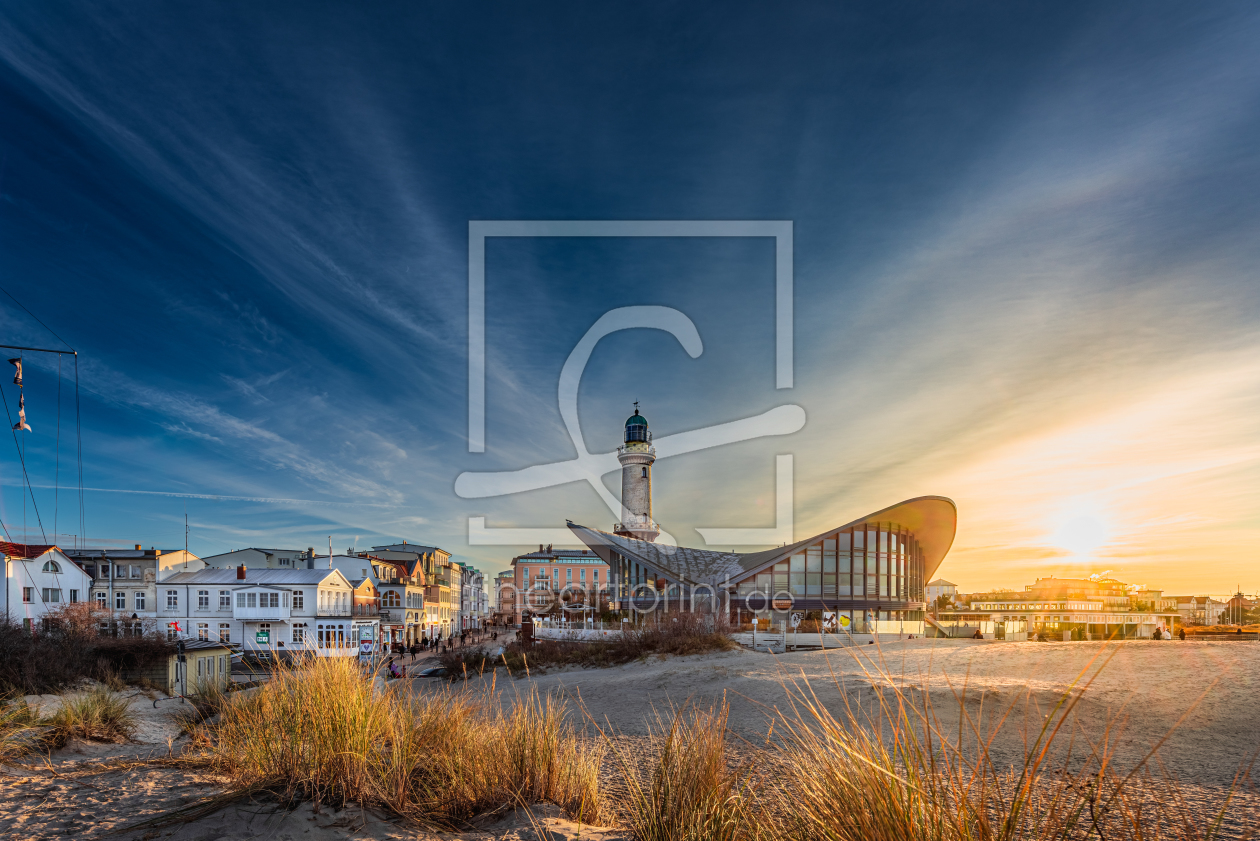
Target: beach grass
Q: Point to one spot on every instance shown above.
(98, 714)
(323, 732)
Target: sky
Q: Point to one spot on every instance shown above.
(1024, 241)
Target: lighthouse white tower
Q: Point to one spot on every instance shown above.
(636, 456)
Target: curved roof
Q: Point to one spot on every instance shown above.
(636, 419)
(933, 519)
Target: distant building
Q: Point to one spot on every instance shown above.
(125, 581)
(940, 587)
(38, 579)
(504, 595)
(542, 581)
(1199, 610)
(254, 558)
(1060, 608)
(443, 581)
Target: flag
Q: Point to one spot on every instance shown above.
(22, 424)
(17, 375)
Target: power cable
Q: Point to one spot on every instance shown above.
(29, 489)
(34, 316)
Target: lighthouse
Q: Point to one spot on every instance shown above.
(636, 455)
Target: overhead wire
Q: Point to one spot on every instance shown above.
(29, 489)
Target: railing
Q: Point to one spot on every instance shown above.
(260, 613)
(637, 524)
(650, 450)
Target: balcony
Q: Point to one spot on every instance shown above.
(261, 614)
(633, 523)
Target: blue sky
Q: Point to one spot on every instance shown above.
(1025, 249)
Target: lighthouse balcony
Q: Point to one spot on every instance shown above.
(632, 524)
(636, 449)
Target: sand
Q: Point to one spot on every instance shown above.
(1142, 691)
(93, 790)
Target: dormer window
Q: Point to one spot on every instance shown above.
(52, 566)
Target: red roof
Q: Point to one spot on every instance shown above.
(25, 550)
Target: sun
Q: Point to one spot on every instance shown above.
(1081, 528)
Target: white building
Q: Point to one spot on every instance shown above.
(268, 610)
(940, 587)
(254, 558)
(40, 578)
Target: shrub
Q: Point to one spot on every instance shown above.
(69, 649)
(679, 635)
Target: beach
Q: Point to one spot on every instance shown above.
(1203, 692)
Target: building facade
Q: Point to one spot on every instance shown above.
(125, 581)
(269, 611)
(441, 580)
(39, 579)
(554, 581)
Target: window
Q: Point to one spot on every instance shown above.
(90, 569)
(644, 474)
(100, 599)
(120, 600)
(568, 574)
(172, 634)
(172, 599)
(140, 600)
(203, 599)
(391, 599)
(525, 574)
(52, 566)
(51, 595)
(203, 632)
(299, 633)
(273, 599)
(136, 572)
(240, 599)
(297, 600)
(583, 576)
(28, 594)
(74, 596)
(225, 632)
(251, 600)
(225, 600)
(595, 575)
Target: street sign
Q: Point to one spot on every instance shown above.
(263, 637)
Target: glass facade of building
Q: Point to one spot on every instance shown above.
(874, 566)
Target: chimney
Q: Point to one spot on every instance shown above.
(137, 547)
(240, 573)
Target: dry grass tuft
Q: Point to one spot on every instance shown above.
(18, 729)
(690, 792)
(98, 715)
(325, 733)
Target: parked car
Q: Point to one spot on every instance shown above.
(434, 671)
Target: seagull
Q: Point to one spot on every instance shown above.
(22, 424)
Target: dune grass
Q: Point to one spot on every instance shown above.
(18, 729)
(691, 789)
(99, 714)
(323, 733)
